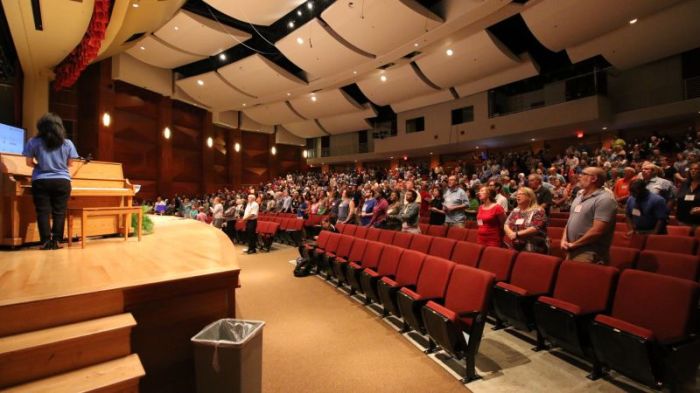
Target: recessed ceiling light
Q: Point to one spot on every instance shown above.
(135, 5)
(416, 44)
(176, 28)
(298, 12)
(532, 139)
(222, 56)
(450, 52)
(313, 98)
(633, 21)
(143, 48)
(310, 5)
(200, 82)
(300, 40)
(289, 94)
(244, 104)
(290, 24)
(354, 72)
(383, 78)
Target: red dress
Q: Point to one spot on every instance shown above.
(490, 232)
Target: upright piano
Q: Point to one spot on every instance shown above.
(94, 184)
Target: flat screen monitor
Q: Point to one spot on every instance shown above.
(11, 139)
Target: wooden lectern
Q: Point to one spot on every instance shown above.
(95, 184)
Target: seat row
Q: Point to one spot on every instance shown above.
(567, 302)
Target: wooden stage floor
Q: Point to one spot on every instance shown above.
(178, 248)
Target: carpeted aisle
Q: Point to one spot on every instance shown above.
(317, 340)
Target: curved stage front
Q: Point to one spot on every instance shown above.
(174, 282)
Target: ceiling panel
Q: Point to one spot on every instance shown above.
(259, 76)
(559, 24)
(199, 35)
(348, 122)
(327, 103)
(671, 31)
(378, 26)
(521, 71)
(317, 50)
(422, 101)
(213, 91)
(474, 57)
(305, 129)
(258, 12)
(274, 113)
(384, 87)
(248, 124)
(155, 52)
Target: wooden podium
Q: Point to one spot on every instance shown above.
(94, 184)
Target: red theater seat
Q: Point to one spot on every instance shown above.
(356, 253)
(386, 236)
(471, 235)
(348, 230)
(442, 247)
(533, 276)
(437, 230)
(678, 230)
(582, 291)
(635, 241)
(372, 234)
(423, 227)
(623, 258)
(675, 244)
(432, 284)
(370, 259)
(402, 239)
(388, 265)
(341, 254)
(466, 253)
(361, 232)
(421, 243)
(648, 336)
(466, 305)
(406, 276)
(669, 264)
(340, 228)
(457, 233)
(498, 261)
(327, 253)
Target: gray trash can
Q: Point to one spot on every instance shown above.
(228, 357)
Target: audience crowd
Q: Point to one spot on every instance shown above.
(510, 195)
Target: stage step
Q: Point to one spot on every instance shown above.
(116, 376)
(40, 354)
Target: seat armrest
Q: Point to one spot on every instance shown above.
(469, 314)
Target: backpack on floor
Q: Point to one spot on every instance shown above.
(303, 267)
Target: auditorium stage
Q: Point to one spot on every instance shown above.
(173, 282)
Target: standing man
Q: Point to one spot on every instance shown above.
(455, 201)
(658, 185)
(589, 231)
(646, 213)
(544, 195)
(250, 216)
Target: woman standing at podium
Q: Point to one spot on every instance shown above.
(50, 154)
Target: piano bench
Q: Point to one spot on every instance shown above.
(85, 212)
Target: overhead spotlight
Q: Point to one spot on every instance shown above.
(200, 82)
(289, 94)
(313, 98)
(477, 147)
(300, 41)
(415, 44)
(383, 78)
(167, 133)
(449, 52)
(310, 5)
(290, 24)
(222, 56)
(298, 12)
(237, 147)
(244, 104)
(210, 142)
(633, 21)
(354, 72)
(142, 47)
(176, 28)
(136, 4)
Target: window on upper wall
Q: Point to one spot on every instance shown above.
(415, 125)
(462, 115)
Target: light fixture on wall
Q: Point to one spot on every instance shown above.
(273, 150)
(106, 119)
(237, 147)
(210, 142)
(305, 154)
(166, 133)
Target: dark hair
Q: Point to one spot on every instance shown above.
(491, 192)
(51, 131)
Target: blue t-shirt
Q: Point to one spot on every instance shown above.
(646, 213)
(51, 164)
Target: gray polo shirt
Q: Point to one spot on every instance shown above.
(455, 197)
(663, 187)
(599, 205)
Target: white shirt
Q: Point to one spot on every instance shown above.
(251, 211)
(503, 201)
(217, 211)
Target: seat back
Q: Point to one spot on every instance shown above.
(534, 272)
(437, 230)
(498, 261)
(420, 243)
(349, 229)
(635, 241)
(386, 236)
(623, 257)
(372, 233)
(466, 253)
(322, 239)
(344, 246)
(586, 285)
(423, 227)
(557, 222)
(357, 251)
(389, 261)
(442, 247)
(621, 227)
(409, 267)
(434, 277)
(284, 224)
(272, 228)
(340, 227)
(669, 264)
(333, 242)
(402, 239)
(361, 232)
(469, 289)
(676, 244)
(372, 255)
(471, 235)
(678, 230)
(261, 227)
(665, 305)
(457, 233)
